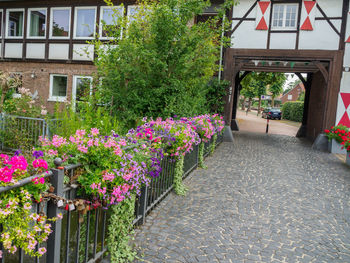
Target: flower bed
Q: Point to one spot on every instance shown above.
(113, 168)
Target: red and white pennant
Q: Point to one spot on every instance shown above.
(263, 12)
(308, 15)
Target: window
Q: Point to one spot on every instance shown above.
(132, 12)
(16, 79)
(58, 87)
(82, 87)
(84, 25)
(284, 16)
(14, 23)
(290, 97)
(37, 22)
(109, 16)
(60, 22)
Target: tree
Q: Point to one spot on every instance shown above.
(161, 65)
(248, 89)
(277, 81)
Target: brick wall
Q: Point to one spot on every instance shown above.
(293, 94)
(42, 71)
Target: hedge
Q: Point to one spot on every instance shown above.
(293, 111)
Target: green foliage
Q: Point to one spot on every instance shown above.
(90, 114)
(213, 143)
(201, 156)
(293, 111)
(277, 81)
(340, 134)
(301, 96)
(120, 229)
(216, 92)
(162, 65)
(179, 187)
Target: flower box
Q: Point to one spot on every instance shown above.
(335, 147)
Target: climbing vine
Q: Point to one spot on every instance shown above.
(120, 229)
(213, 143)
(179, 187)
(201, 156)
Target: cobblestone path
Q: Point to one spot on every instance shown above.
(262, 199)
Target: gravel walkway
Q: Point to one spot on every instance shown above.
(265, 198)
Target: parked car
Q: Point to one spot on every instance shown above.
(272, 113)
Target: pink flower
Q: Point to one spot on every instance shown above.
(59, 216)
(42, 250)
(80, 133)
(4, 158)
(95, 131)
(40, 163)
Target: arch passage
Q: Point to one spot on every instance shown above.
(322, 85)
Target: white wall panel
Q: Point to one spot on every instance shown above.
(322, 37)
(283, 41)
(83, 52)
(345, 83)
(36, 51)
(332, 8)
(13, 50)
(0, 50)
(347, 55)
(244, 5)
(247, 37)
(58, 51)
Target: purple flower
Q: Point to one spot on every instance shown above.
(18, 152)
(38, 154)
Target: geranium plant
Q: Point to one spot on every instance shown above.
(338, 133)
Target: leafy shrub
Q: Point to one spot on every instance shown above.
(293, 111)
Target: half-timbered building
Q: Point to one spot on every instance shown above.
(297, 36)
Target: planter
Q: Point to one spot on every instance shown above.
(335, 147)
(348, 158)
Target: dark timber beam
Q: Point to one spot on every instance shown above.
(302, 132)
(323, 70)
(302, 79)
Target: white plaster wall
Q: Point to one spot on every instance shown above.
(35, 51)
(58, 51)
(283, 41)
(83, 52)
(247, 37)
(330, 7)
(242, 7)
(344, 88)
(345, 83)
(347, 55)
(0, 50)
(322, 37)
(13, 50)
(340, 109)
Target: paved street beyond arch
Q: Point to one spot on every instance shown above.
(264, 198)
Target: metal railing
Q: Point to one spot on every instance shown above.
(82, 238)
(17, 130)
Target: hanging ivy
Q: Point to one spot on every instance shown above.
(201, 156)
(213, 144)
(180, 188)
(120, 229)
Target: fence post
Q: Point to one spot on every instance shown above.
(54, 241)
(143, 203)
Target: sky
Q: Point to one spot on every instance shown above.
(291, 77)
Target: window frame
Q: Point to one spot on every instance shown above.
(75, 21)
(100, 29)
(57, 98)
(129, 11)
(74, 88)
(7, 22)
(283, 27)
(52, 9)
(28, 23)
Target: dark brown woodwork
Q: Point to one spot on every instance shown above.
(323, 70)
(269, 29)
(71, 33)
(244, 17)
(343, 24)
(3, 32)
(24, 46)
(302, 79)
(298, 25)
(47, 34)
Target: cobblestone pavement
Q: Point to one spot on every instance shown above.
(265, 198)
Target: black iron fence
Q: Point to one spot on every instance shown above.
(81, 236)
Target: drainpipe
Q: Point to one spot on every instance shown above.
(221, 46)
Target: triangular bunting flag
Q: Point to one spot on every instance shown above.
(263, 6)
(309, 5)
(346, 99)
(345, 120)
(307, 25)
(262, 24)
(348, 41)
